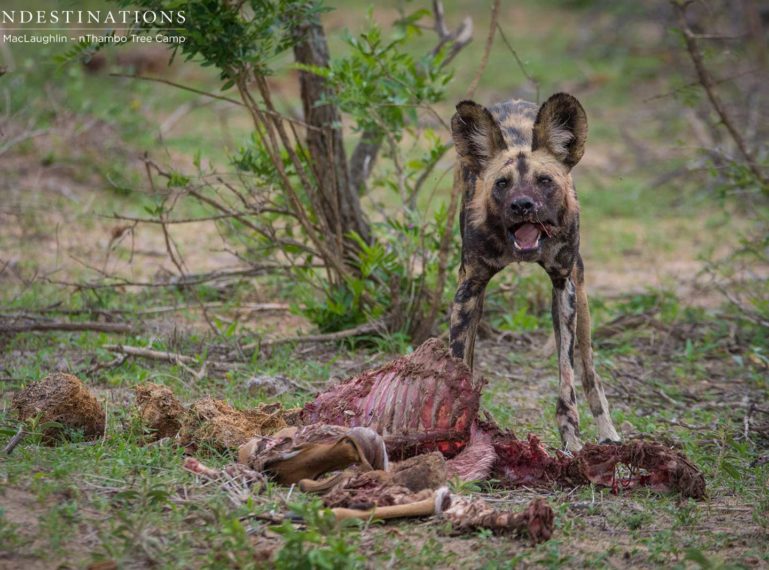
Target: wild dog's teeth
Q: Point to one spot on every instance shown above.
(517, 246)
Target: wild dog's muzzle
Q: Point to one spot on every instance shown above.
(526, 228)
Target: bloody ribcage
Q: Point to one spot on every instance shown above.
(421, 402)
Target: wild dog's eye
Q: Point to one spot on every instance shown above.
(544, 180)
(501, 184)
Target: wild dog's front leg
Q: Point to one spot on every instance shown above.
(467, 311)
(564, 321)
(591, 382)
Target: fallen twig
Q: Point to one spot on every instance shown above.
(367, 328)
(680, 423)
(15, 440)
(171, 357)
(66, 326)
(625, 322)
(240, 307)
(189, 280)
(114, 363)
(245, 307)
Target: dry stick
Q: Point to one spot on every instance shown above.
(191, 280)
(277, 128)
(242, 218)
(333, 258)
(67, 326)
(440, 23)
(15, 440)
(521, 66)
(251, 307)
(686, 86)
(175, 221)
(208, 94)
(149, 354)
(171, 357)
(273, 149)
(327, 337)
(176, 256)
(114, 363)
(709, 86)
(486, 50)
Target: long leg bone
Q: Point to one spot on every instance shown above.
(438, 502)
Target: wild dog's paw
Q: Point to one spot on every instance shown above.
(606, 431)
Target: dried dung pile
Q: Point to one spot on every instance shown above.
(206, 423)
(64, 399)
(159, 410)
(215, 424)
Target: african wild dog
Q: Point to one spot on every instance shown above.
(519, 204)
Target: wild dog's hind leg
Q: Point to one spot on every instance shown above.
(564, 320)
(591, 383)
(467, 310)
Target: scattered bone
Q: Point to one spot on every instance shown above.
(372, 495)
(63, 399)
(468, 514)
(423, 504)
(159, 410)
(194, 466)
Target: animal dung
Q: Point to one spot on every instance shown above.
(159, 410)
(206, 423)
(217, 425)
(63, 401)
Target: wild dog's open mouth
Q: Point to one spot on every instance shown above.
(526, 236)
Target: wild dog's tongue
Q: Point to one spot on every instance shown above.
(526, 236)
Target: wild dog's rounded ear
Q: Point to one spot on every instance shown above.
(561, 128)
(477, 136)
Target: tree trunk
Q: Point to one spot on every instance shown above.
(325, 144)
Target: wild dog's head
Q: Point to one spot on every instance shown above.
(524, 190)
